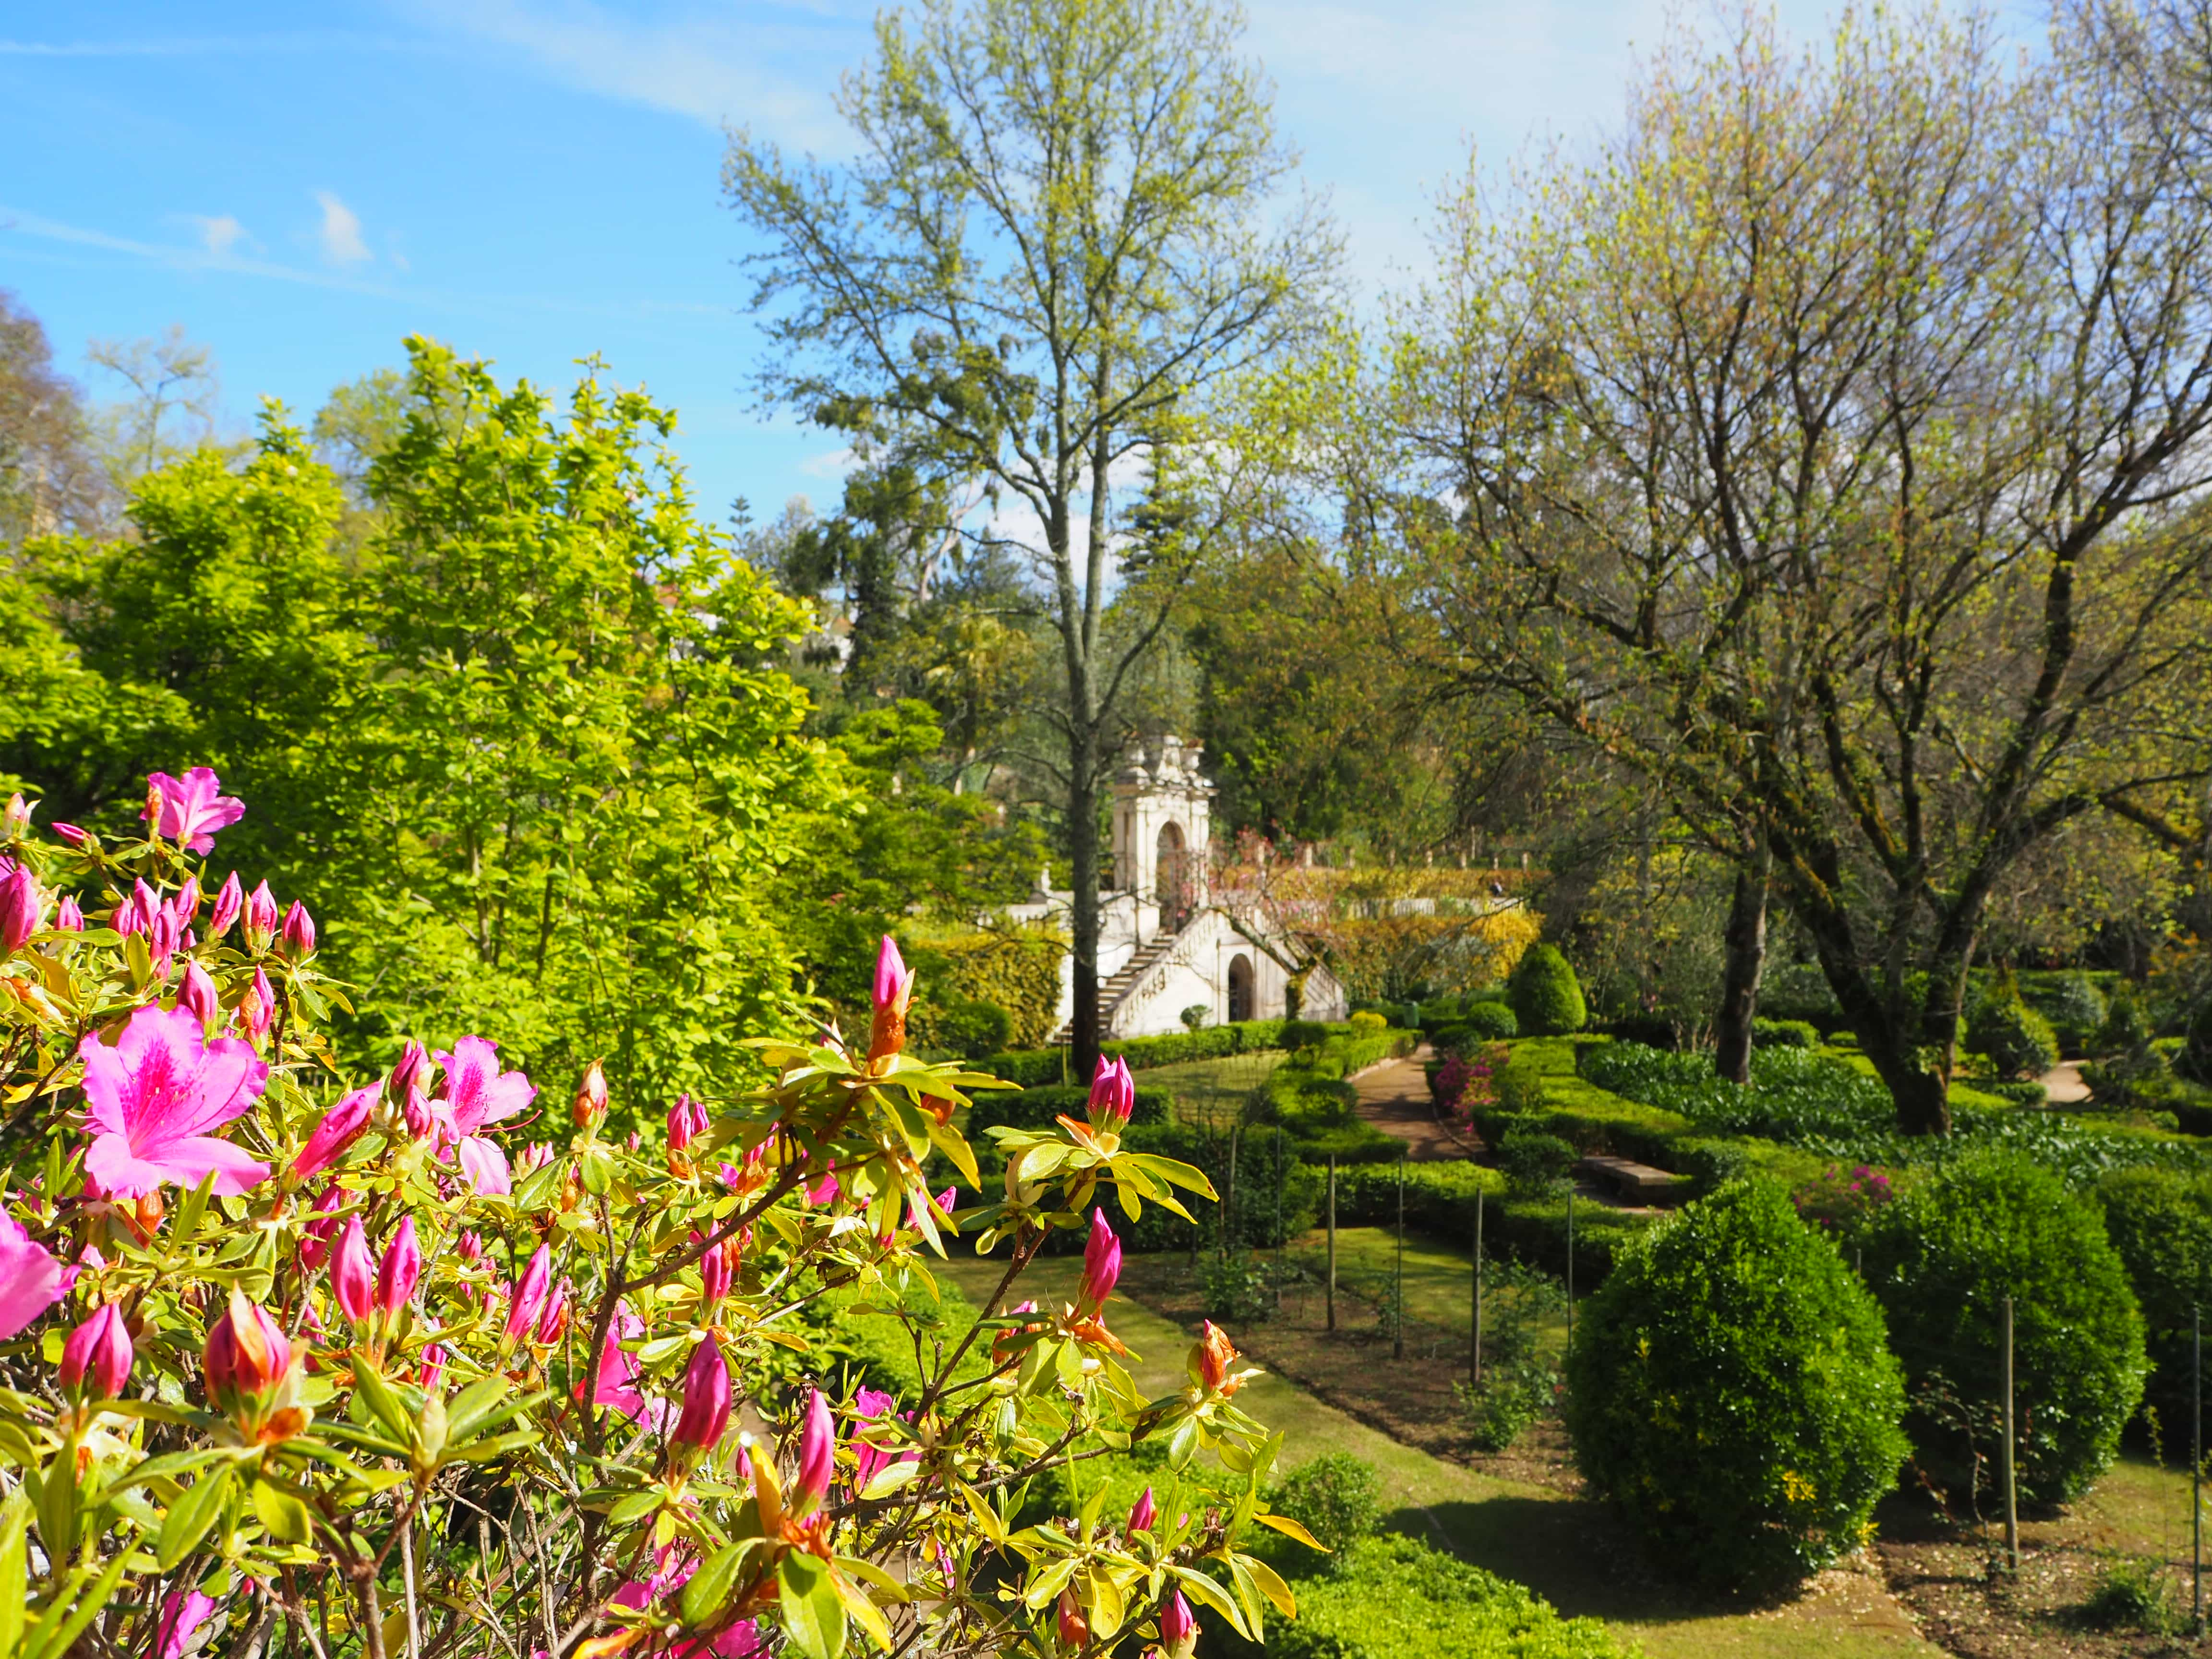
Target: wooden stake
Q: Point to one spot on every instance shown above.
(2011, 1492)
(1398, 1314)
(1331, 1241)
(1475, 1375)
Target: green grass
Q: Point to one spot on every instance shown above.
(1565, 1550)
(1439, 1281)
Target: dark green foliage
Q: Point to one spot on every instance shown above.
(2134, 1595)
(2160, 1223)
(2028, 1093)
(1731, 1396)
(1338, 1498)
(1710, 1165)
(1800, 991)
(1234, 1288)
(972, 1029)
(1398, 1597)
(2195, 1059)
(2126, 1029)
(1546, 997)
(1029, 1066)
(1785, 1034)
(1535, 1163)
(1303, 1034)
(2018, 1041)
(1037, 1107)
(1440, 1202)
(1519, 1086)
(1942, 1258)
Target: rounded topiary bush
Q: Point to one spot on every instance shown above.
(1942, 1259)
(2195, 1059)
(2018, 1041)
(1546, 998)
(1731, 1392)
(1335, 1496)
(2161, 1223)
(1489, 1022)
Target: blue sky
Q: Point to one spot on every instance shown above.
(536, 181)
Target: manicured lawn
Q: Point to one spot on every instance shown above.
(1564, 1549)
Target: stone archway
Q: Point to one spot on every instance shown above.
(1241, 989)
(1172, 878)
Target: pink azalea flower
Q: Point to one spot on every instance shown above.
(478, 1095)
(183, 1612)
(192, 809)
(229, 899)
(706, 1410)
(817, 1453)
(827, 1190)
(342, 1125)
(69, 918)
(22, 906)
(31, 1279)
(873, 1405)
(153, 1097)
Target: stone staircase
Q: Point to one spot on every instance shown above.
(1111, 990)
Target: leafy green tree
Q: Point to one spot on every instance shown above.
(50, 475)
(1043, 255)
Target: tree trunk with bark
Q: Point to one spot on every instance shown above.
(1745, 944)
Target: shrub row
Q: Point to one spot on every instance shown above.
(1440, 1201)
(1032, 1066)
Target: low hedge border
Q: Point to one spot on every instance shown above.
(1032, 1067)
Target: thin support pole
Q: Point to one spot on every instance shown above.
(1229, 1199)
(1398, 1289)
(2197, 1469)
(1331, 1241)
(2011, 1492)
(1278, 1218)
(1475, 1370)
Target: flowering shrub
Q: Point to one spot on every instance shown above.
(348, 1368)
(1467, 1082)
(1843, 1201)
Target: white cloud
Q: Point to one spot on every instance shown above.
(771, 70)
(220, 234)
(340, 235)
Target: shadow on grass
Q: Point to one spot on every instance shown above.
(1573, 1553)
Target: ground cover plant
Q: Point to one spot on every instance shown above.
(1731, 1395)
(354, 1368)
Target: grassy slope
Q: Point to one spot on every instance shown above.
(1560, 1547)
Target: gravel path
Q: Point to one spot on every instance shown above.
(1393, 1096)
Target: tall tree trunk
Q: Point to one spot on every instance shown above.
(1083, 851)
(1894, 1040)
(1744, 944)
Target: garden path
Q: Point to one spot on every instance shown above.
(1393, 1096)
(2063, 1083)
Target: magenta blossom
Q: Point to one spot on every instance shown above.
(1101, 1266)
(1113, 1094)
(687, 1122)
(260, 918)
(353, 1274)
(69, 918)
(615, 1384)
(257, 1009)
(198, 995)
(1178, 1629)
(478, 1095)
(817, 1453)
(342, 1125)
(229, 899)
(706, 1410)
(827, 1190)
(873, 1406)
(529, 1294)
(153, 1097)
(31, 1279)
(315, 1236)
(22, 906)
(183, 1613)
(101, 1349)
(191, 810)
(401, 1268)
(298, 931)
(1144, 1513)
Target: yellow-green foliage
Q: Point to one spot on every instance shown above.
(1018, 971)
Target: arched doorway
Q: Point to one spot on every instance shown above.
(1170, 877)
(1240, 989)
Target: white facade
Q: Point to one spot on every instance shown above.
(1164, 945)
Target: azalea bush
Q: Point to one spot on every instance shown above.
(426, 1364)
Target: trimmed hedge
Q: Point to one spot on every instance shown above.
(1396, 1597)
(1440, 1203)
(1785, 1034)
(1941, 1259)
(1544, 993)
(2018, 1041)
(2160, 1223)
(1036, 1108)
(1731, 1396)
(1032, 1066)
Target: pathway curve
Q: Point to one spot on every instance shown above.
(1395, 1097)
(2062, 1084)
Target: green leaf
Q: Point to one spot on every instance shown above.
(1215, 1597)
(813, 1616)
(190, 1517)
(1290, 1529)
(15, 1546)
(709, 1586)
(50, 1640)
(283, 1515)
(389, 1409)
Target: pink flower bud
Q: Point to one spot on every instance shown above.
(433, 1365)
(260, 918)
(553, 1322)
(1144, 1513)
(529, 1294)
(198, 995)
(1177, 1627)
(1113, 1094)
(18, 817)
(298, 931)
(1073, 1631)
(402, 1266)
(315, 1236)
(72, 834)
(817, 1453)
(687, 1122)
(341, 1127)
(353, 1274)
(1101, 1266)
(101, 1349)
(22, 906)
(893, 990)
(188, 900)
(469, 1248)
(165, 933)
(257, 1009)
(715, 1271)
(246, 1354)
(68, 918)
(229, 899)
(589, 1109)
(706, 1410)
(408, 1076)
